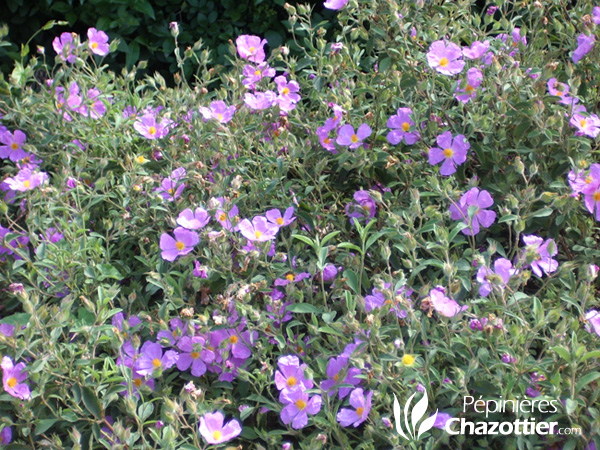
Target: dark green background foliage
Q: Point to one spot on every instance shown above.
(142, 26)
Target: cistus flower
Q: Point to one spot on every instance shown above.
(13, 377)
(362, 406)
(590, 188)
(152, 361)
(441, 419)
(584, 46)
(13, 145)
(150, 128)
(473, 81)
(324, 134)
(251, 48)
(253, 74)
(476, 50)
(347, 136)
(402, 128)
(170, 187)
(452, 151)
(364, 208)
(98, 42)
(335, 5)
(471, 210)
(445, 58)
(499, 277)
(291, 374)
(298, 406)
(588, 124)
(592, 318)
(258, 230)
(215, 432)
(539, 253)
(194, 354)
(182, 244)
(64, 46)
(274, 216)
(339, 373)
(260, 100)
(6, 436)
(193, 220)
(218, 111)
(444, 305)
(560, 90)
(288, 93)
(26, 180)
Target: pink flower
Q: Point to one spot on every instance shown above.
(298, 406)
(473, 81)
(453, 152)
(347, 136)
(219, 111)
(335, 5)
(64, 46)
(13, 377)
(260, 100)
(477, 50)
(193, 220)
(584, 46)
(402, 128)
(477, 201)
(362, 406)
(258, 230)
(445, 58)
(251, 48)
(254, 74)
(183, 243)
(150, 128)
(98, 42)
(588, 125)
(13, 145)
(214, 432)
(274, 216)
(444, 305)
(26, 180)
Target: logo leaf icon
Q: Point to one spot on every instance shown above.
(419, 411)
(427, 424)
(408, 429)
(397, 415)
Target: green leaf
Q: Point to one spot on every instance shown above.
(508, 218)
(352, 280)
(108, 271)
(43, 425)
(145, 7)
(145, 411)
(588, 355)
(91, 402)
(586, 379)
(304, 239)
(303, 308)
(350, 246)
(563, 352)
(544, 212)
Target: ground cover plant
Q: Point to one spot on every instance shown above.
(272, 256)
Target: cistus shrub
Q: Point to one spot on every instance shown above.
(304, 250)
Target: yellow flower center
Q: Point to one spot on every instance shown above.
(170, 190)
(217, 435)
(252, 49)
(444, 62)
(326, 141)
(360, 410)
(354, 139)
(583, 123)
(220, 117)
(469, 88)
(156, 363)
(559, 93)
(279, 221)
(291, 381)
(285, 91)
(12, 382)
(152, 131)
(137, 382)
(448, 153)
(94, 45)
(140, 159)
(258, 234)
(290, 277)
(300, 404)
(588, 180)
(257, 72)
(408, 360)
(179, 245)
(233, 339)
(222, 217)
(137, 187)
(405, 126)
(597, 196)
(59, 105)
(14, 146)
(336, 377)
(27, 183)
(195, 355)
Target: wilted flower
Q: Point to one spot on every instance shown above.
(214, 431)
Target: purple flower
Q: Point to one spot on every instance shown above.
(474, 79)
(592, 318)
(170, 188)
(182, 244)
(151, 360)
(13, 378)
(441, 419)
(375, 300)
(499, 277)
(365, 206)
(560, 90)
(347, 137)
(324, 135)
(588, 125)
(330, 271)
(476, 50)
(288, 96)
(219, 111)
(64, 46)
(274, 216)
(214, 432)
(260, 100)
(491, 10)
(539, 253)
(13, 145)
(507, 359)
(254, 74)
(339, 373)
(298, 406)
(471, 210)
(584, 46)
(453, 152)
(291, 278)
(193, 220)
(335, 5)
(402, 128)
(445, 58)
(362, 407)
(291, 374)
(5, 435)
(444, 305)
(7, 329)
(125, 326)
(258, 230)
(98, 42)
(199, 271)
(26, 180)
(194, 354)
(251, 48)
(150, 128)
(590, 188)
(596, 15)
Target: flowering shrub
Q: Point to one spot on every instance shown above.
(411, 206)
